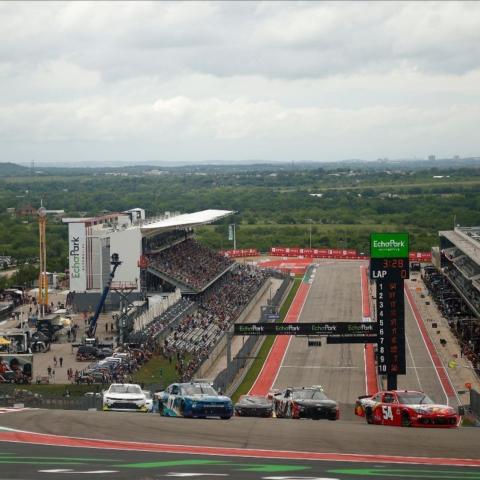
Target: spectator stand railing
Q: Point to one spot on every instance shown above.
(224, 380)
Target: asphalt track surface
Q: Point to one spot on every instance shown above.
(335, 296)
(297, 449)
(45, 462)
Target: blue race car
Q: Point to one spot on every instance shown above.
(194, 400)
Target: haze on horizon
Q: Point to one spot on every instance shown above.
(142, 82)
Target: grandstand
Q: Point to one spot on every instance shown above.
(460, 261)
(151, 251)
(192, 294)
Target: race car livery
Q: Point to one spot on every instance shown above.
(125, 397)
(405, 408)
(253, 406)
(194, 400)
(305, 402)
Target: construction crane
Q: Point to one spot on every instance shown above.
(92, 322)
(42, 276)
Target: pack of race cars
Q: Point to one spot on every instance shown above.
(405, 408)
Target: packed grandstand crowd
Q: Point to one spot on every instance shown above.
(191, 263)
(191, 328)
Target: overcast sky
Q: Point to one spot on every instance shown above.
(152, 82)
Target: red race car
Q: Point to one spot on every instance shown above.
(405, 408)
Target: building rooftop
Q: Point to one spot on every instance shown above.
(186, 220)
(466, 239)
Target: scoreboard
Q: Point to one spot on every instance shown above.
(389, 267)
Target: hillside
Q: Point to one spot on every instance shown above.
(9, 169)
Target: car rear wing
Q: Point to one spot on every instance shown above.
(361, 397)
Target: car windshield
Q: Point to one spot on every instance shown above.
(255, 400)
(414, 398)
(198, 389)
(125, 389)
(309, 394)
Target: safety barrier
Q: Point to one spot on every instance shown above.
(244, 252)
(225, 378)
(155, 310)
(222, 342)
(333, 253)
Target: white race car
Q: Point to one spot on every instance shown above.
(149, 400)
(125, 397)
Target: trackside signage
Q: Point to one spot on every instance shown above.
(76, 256)
(389, 245)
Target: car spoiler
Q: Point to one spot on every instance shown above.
(361, 397)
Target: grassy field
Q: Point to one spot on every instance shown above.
(257, 364)
(158, 370)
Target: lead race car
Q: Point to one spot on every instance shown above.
(405, 408)
(304, 402)
(194, 399)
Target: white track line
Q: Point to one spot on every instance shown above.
(413, 362)
(426, 346)
(310, 283)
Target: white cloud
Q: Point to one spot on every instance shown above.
(237, 80)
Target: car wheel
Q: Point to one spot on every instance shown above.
(369, 415)
(226, 417)
(406, 422)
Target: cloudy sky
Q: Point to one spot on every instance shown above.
(212, 81)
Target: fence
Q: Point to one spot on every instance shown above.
(155, 310)
(475, 402)
(228, 375)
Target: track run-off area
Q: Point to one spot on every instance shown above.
(59, 444)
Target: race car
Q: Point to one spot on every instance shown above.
(305, 402)
(194, 400)
(405, 408)
(253, 406)
(148, 400)
(124, 397)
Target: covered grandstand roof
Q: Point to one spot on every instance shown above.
(186, 220)
(466, 243)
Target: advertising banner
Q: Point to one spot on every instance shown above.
(77, 257)
(389, 245)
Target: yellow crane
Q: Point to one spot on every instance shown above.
(42, 276)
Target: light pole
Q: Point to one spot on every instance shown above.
(232, 235)
(310, 221)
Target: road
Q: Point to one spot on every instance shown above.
(49, 462)
(335, 295)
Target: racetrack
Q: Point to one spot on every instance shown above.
(336, 447)
(335, 296)
(344, 436)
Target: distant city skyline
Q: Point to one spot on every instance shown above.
(217, 82)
